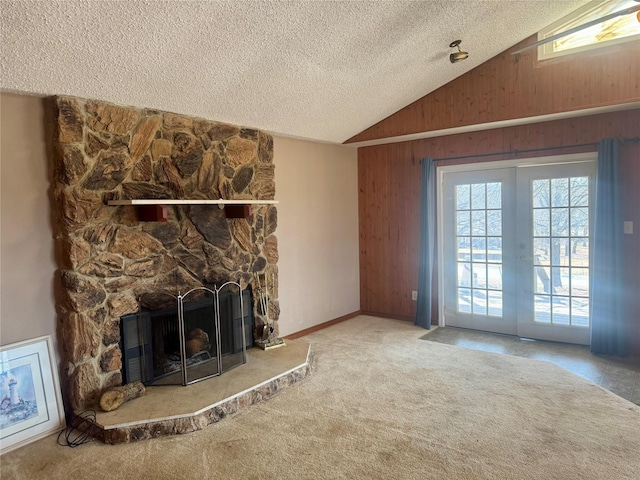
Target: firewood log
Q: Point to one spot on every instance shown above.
(116, 396)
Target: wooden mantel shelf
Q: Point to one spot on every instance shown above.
(173, 201)
(155, 210)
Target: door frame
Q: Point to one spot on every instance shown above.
(485, 165)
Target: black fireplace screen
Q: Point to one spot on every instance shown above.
(202, 334)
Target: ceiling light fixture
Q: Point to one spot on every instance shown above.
(459, 55)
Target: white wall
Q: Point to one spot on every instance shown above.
(27, 265)
(317, 187)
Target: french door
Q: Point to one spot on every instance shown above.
(516, 250)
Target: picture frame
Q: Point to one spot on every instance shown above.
(30, 399)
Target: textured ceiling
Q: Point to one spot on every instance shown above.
(313, 69)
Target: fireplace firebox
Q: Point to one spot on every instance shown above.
(201, 334)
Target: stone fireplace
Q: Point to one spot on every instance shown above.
(108, 258)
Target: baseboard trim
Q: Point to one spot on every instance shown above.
(320, 326)
(404, 318)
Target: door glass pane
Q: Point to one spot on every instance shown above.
(541, 193)
(479, 225)
(463, 222)
(494, 195)
(464, 274)
(542, 312)
(479, 275)
(580, 252)
(579, 221)
(464, 252)
(561, 251)
(479, 302)
(494, 249)
(541, 251)
(542, 283)
(495, 303)
(560, 192)
(494, 276)
(579, 282)
(580, 191)
(559, 221)
(580, 312)
(462, 197)
(494, 222)
(479, 248)
(561, 280)
(478, 196)
(560, 310)
(464, 300)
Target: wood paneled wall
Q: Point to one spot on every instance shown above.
(389, 197)
(518, 86)
(389, 213)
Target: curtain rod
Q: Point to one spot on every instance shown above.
(530, 150)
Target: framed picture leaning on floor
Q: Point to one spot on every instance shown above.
(30, 399)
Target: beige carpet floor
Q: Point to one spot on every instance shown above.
(383, 404)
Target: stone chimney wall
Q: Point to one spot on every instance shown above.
(108, 259)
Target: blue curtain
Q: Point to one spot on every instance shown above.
(608, 319)
(427, 244)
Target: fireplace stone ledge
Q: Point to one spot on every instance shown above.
(175, 410)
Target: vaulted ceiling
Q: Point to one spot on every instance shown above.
(322, 70)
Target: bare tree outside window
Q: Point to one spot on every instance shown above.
(561, 249)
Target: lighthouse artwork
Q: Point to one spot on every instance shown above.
(17, 396)
(30, 397)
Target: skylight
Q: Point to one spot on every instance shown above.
(616, 30)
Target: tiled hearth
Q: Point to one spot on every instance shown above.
(172, 410)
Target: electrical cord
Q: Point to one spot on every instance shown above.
(74, 436)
